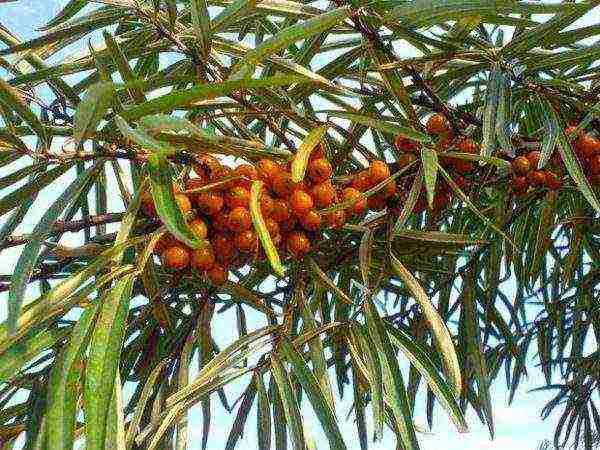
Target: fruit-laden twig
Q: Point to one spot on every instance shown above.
(65, 227)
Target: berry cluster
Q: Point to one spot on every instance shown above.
(219, 197)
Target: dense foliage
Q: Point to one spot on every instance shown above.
(362, 185)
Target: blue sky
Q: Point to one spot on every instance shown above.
(517, 427)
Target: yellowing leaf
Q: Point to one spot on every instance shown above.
(301, 157)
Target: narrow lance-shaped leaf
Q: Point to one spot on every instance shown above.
(430, 170)
(11, 99)
(92, 109)
(261, 228)
(103, 361)
(263, 415)
(28, 258)
(440, 332)
(201, 22)
(301, 157)
(166, 203)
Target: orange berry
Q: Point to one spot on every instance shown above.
(405, 144)
(198, 227)
(248, 174)
(298, 243)
(462, 166)
(272, 227)
(311, 220)
(521, 165)
(520, 184)
(246, 241)
(376, 202)
(166, 241)
(324, 194)
(536, 178)
(301, 202)
(288, 224)
(389, 190)
(534, 159)
(319, 170)
(281, 210)
(184, 203)
(461, 182)
(224, 247)
(203, 258)
(595, 165)
(446, 141)
(552, 180)
(468, 146)
(336, 219)
(239, 219)
(220, 222)
(359, 204)
(437, 124)
(318, 152)
(226, 172)
(210, 202)
(266, 204)
(587, 146)
(218, 275)
(378, 171)
(194, 183)
(237, 196)
(405, 159)
(362, 181)
(176, 257)
(282, 184)
(266, 169)
(570, 130)
(207, 167)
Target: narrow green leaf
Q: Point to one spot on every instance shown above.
(64, 383)
(311, 386)
(201, 23)
(429, 159)
(166, 205)
(103, 361)
(328, 282)
(28, 258)
(92, 109)
(301, 157)
(144, 140)
(288, 399)
(263, 415)
(70, 10)
(10, 98)
(261, 229)
(382, 124)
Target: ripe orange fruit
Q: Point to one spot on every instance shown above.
(553, 182)
(587, 145)
(266, 169)
(203, 258)
(166, 240)
(445, 142)
(207, 167)
(324, 194)
(378, 171)
(534, 159)
(521, 165)
(405, 144)
(176, 257)
(437, 124)
(318, 152)
(319, 170)
(461, 182)
(218, 275)
(298, 243)
(301, 202)
(226, 172)
(282, 184)
(570, 130)
(362, 181)
(468, 146)
(266, 204)
(248, 174)
(199, 228)
(237, 196)
(335, 219)
(536, 178)
(389, 190)
(184, 203)
(376, 202)
(360, 204)
(281, 210)
(288, 224)
(272, 227)
(463, 166)
(520, 184)
(595, 165)
(223, 246)
(194, 183)
(239, 219)
(311, 220)
(210, 202)
(406, 159)
(246, 241)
